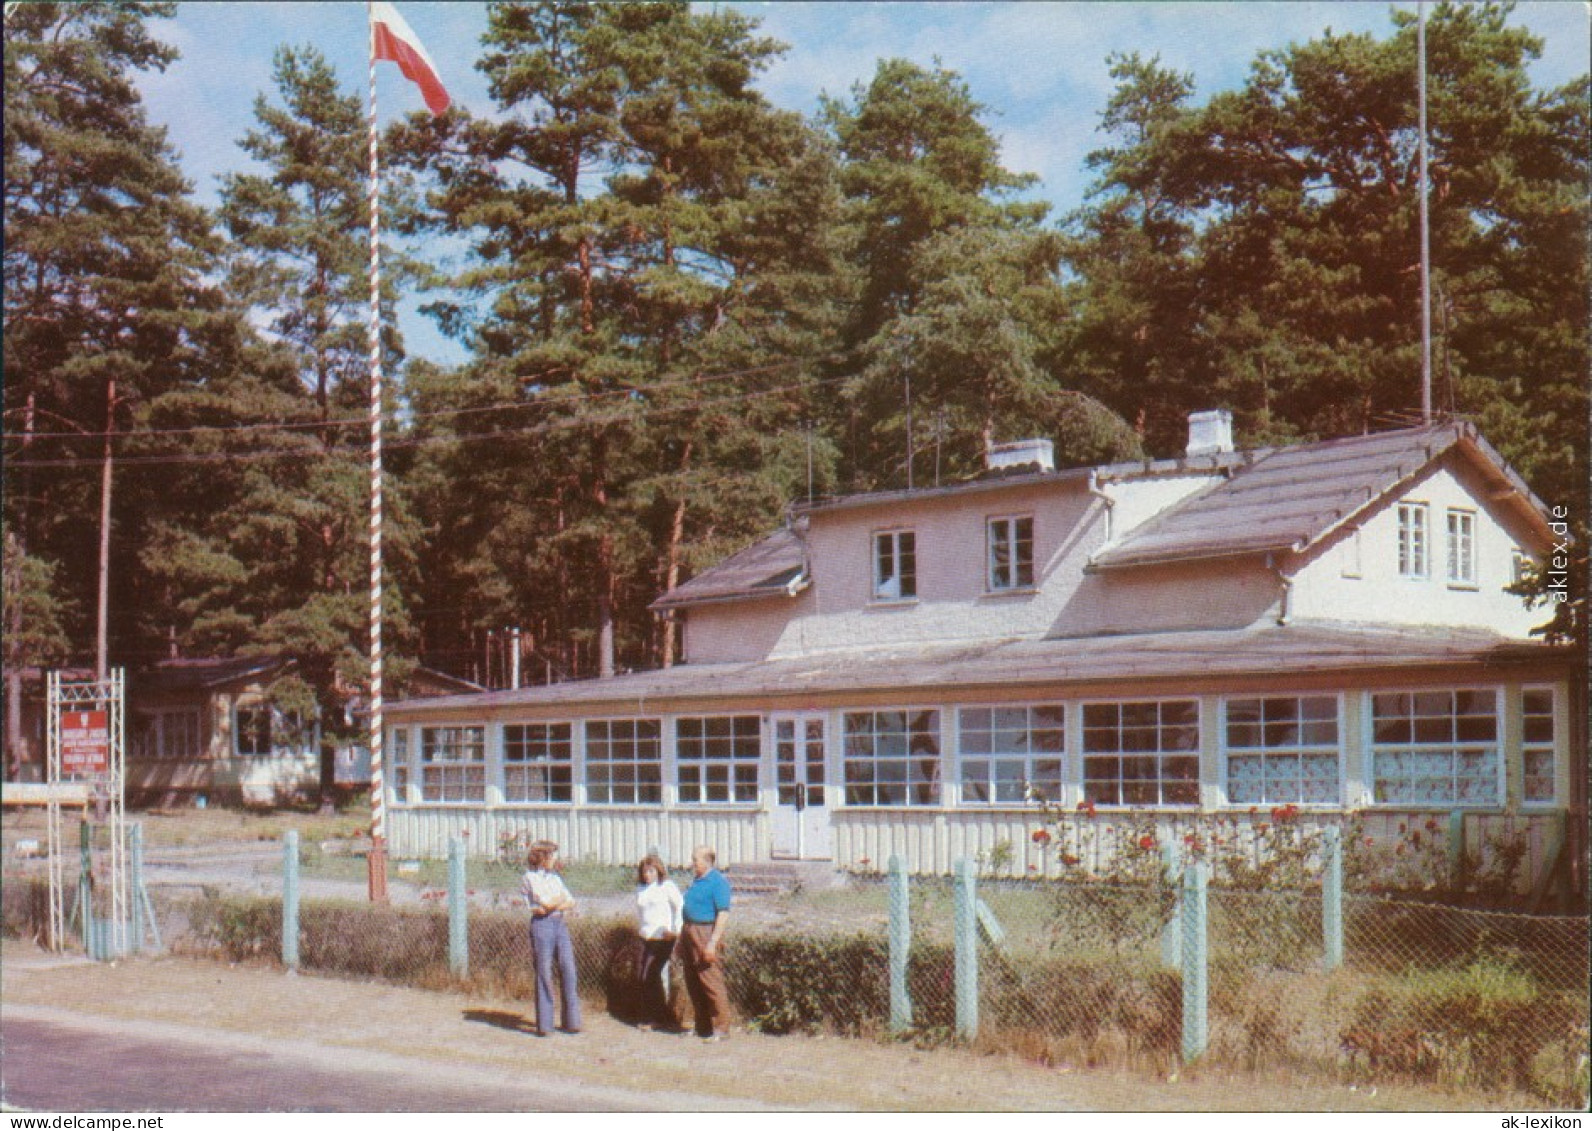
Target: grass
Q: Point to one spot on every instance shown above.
(584, 879)
(176, 828)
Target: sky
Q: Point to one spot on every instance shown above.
(1039, 68)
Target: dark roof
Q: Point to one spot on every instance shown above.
(911, 671)
(1288, 499)
(1273, 499)
(425, 682)
(777, 565)
(171, 677)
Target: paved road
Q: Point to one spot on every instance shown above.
(57, 1062)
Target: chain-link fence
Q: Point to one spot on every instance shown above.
(1084, 973)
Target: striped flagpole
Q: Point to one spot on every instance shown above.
(378, 832)
(1426, 238)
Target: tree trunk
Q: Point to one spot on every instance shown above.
(15, 661)
(102, 627)
(671, 576)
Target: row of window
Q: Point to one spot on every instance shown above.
(1415, 542)
(1438, 747)
(1009, 559)
(1009, 552)
(258, 730)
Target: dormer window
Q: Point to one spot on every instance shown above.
(1413, 541)
(1461, 548)
(1011, 553)
(895, 566)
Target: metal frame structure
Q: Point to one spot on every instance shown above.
(109, 695)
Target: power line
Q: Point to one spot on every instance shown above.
(539, 428)
(545, 400)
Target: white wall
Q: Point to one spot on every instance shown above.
(1332, 585)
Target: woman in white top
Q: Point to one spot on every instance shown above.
(550, 901)
(658, 914)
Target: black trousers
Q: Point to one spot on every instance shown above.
(649, 972)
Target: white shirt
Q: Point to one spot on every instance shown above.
(658, 905)
(544, 889)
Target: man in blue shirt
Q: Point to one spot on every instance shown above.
(707, 911)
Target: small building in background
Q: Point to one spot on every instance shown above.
(207, 728)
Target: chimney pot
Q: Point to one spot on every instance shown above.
(1210, 432)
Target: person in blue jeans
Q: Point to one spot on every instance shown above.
(550, 902)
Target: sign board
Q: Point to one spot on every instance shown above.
(85, 742)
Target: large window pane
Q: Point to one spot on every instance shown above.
(1158, 743)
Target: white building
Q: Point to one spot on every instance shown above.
(1327, 625)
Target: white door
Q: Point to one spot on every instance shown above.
(801, 815)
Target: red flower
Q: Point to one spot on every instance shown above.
(1087, 808)
(1369, 842)
(1069, 859)
(1033, 867)
(1415, 838)
(1146, 842)
(1431, 824)
(1041, 836)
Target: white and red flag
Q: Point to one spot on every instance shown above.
(392, 39)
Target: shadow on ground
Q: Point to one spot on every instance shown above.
(501, 1019)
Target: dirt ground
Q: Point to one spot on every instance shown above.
(329, 1019)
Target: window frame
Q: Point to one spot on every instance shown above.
(905, 578)
(549, 764)
(1160, 755)
(1414, 541)
(1529, 745)
(1012, 543)
(692, 758)
(1375, 749)
(465, 776)
(396, 750)
(640, 783)
(287, 734)
(157, 726)
(1465, 540)
(992, 779)
(911, 788)
(1227, 751)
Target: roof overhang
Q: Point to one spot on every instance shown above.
(1269, 652)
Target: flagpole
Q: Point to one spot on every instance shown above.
(378, 832)
(1426, 241)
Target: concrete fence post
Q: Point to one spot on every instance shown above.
(290, 899)
(900, 947)
(1456, 850)
(1332, 897)
(966, 914)
(1172, 932)
(1196, 966)
(458, 911)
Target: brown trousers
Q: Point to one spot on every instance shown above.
(704, 981)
